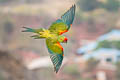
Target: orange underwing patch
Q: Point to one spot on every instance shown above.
(60, 46)
(63, 32)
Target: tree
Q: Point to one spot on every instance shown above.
(112, 5)
(118, 71)
(91, 25)
(11, 68)
(108, 44)
(72, 70)
(5, 1)
(8, 26)
(8, 30)
(88, 5)
(91, 64)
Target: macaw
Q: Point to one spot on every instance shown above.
(54, 36)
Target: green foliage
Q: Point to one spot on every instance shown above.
(112, 5)
(8, 27)
(6, 1)
(33, 1)
(1, 77)
(88, 5)
(72, 70)
(92, 27)
(109, 44)
(25, 1)
(91, 64)
(118, 71)
(84, 79)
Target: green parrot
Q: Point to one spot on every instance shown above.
(54, 36)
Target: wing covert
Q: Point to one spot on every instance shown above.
(62, 25)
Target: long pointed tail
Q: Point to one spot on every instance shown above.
(38, 31)
(37, 37)
(33, 30)
(28, 29)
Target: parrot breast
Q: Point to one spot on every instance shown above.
(45, 33)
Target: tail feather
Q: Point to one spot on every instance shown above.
(37, 37)
(38, 31)
(28, 29)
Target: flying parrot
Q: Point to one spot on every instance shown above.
(54, 36)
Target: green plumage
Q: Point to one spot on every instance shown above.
(53, 36)
(58, 26)
(56, 53)
(53, 46)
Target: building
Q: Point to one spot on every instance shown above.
(103, 54)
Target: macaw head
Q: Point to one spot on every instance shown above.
(62, 39)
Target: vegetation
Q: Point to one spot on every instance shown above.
(1, 77)
(3, 1)
(118, 71)
(6, 29)
(91, 64)
(17, 1)
(110, 5)
(71, 70)
(88, 5)
(109, 44)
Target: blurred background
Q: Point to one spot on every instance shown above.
(92, 51)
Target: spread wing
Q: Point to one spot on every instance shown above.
(62, 25)
(56, 53)
(68, 17)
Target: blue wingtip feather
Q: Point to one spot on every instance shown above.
(68, 17)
